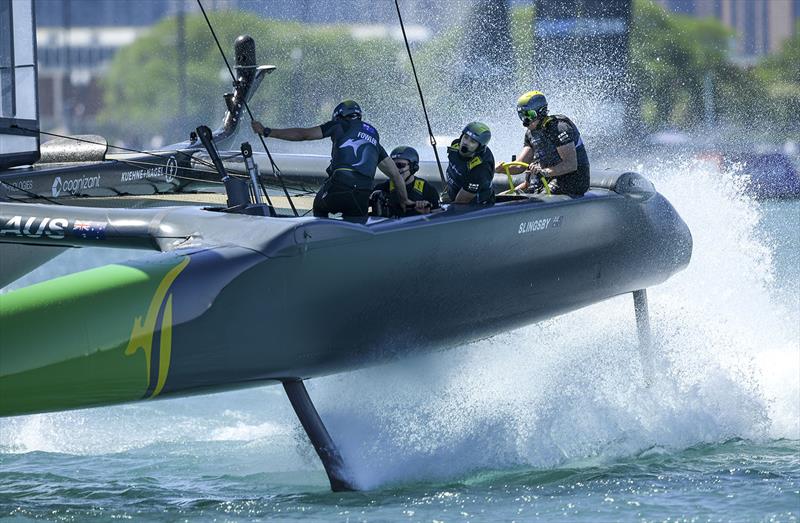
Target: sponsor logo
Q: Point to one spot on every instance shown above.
(157, 349)
(21, 185)
(34, 227)
(74, 185)
(540, 225)
(168, 171)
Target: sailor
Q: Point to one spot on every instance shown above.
(355, 154)
(469, 175)
(553, 147)
(384, 198)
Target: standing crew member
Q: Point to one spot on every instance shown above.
(554, 148)
(469, 174)
(422, 193)
(355, 153)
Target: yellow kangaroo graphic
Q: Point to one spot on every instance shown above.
(142, 331)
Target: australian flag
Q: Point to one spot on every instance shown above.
(89, 230)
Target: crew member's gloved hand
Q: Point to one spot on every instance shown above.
(259, 128)
(533, 178)
(423, 207)
(445, 197)
(533, 171)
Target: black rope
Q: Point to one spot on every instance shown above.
(421, 98)
(275, 170)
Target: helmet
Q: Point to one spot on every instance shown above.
(406, 153)
(347, 110)
(479, 132)
(530, 106)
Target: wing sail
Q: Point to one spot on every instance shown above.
(18, 80)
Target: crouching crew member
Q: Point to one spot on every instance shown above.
(384, 199)
(469, 175)
(355, 154)
(553, 147)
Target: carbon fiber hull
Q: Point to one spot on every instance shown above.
(253, 299)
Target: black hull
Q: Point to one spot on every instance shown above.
(277, 298)
(345, 301)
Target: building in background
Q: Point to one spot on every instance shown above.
(761, 25)
(76, 40)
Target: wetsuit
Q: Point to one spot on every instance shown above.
(418, 191)
(555, 131)
(473, 174)
(355, 154)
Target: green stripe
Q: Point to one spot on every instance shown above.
(63, 341)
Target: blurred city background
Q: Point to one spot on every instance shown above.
(692, 73)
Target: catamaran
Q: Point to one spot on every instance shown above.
(237, 292)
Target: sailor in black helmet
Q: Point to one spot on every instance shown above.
(355, 153)
(554, 148)
(469, 174)
(384, 200)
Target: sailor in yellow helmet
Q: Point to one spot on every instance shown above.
(553, 147)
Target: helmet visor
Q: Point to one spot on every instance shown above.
(526, 114)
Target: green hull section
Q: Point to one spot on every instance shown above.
(96, 337)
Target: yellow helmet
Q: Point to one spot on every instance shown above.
(530, 106)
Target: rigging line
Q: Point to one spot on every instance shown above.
(148, 153)
(275, 170)
(421, 98)
(29, 193)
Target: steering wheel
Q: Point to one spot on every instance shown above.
(524, 165)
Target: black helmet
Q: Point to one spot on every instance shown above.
(479, 132)
(530, 106)
(408, 154)
(347, 110)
